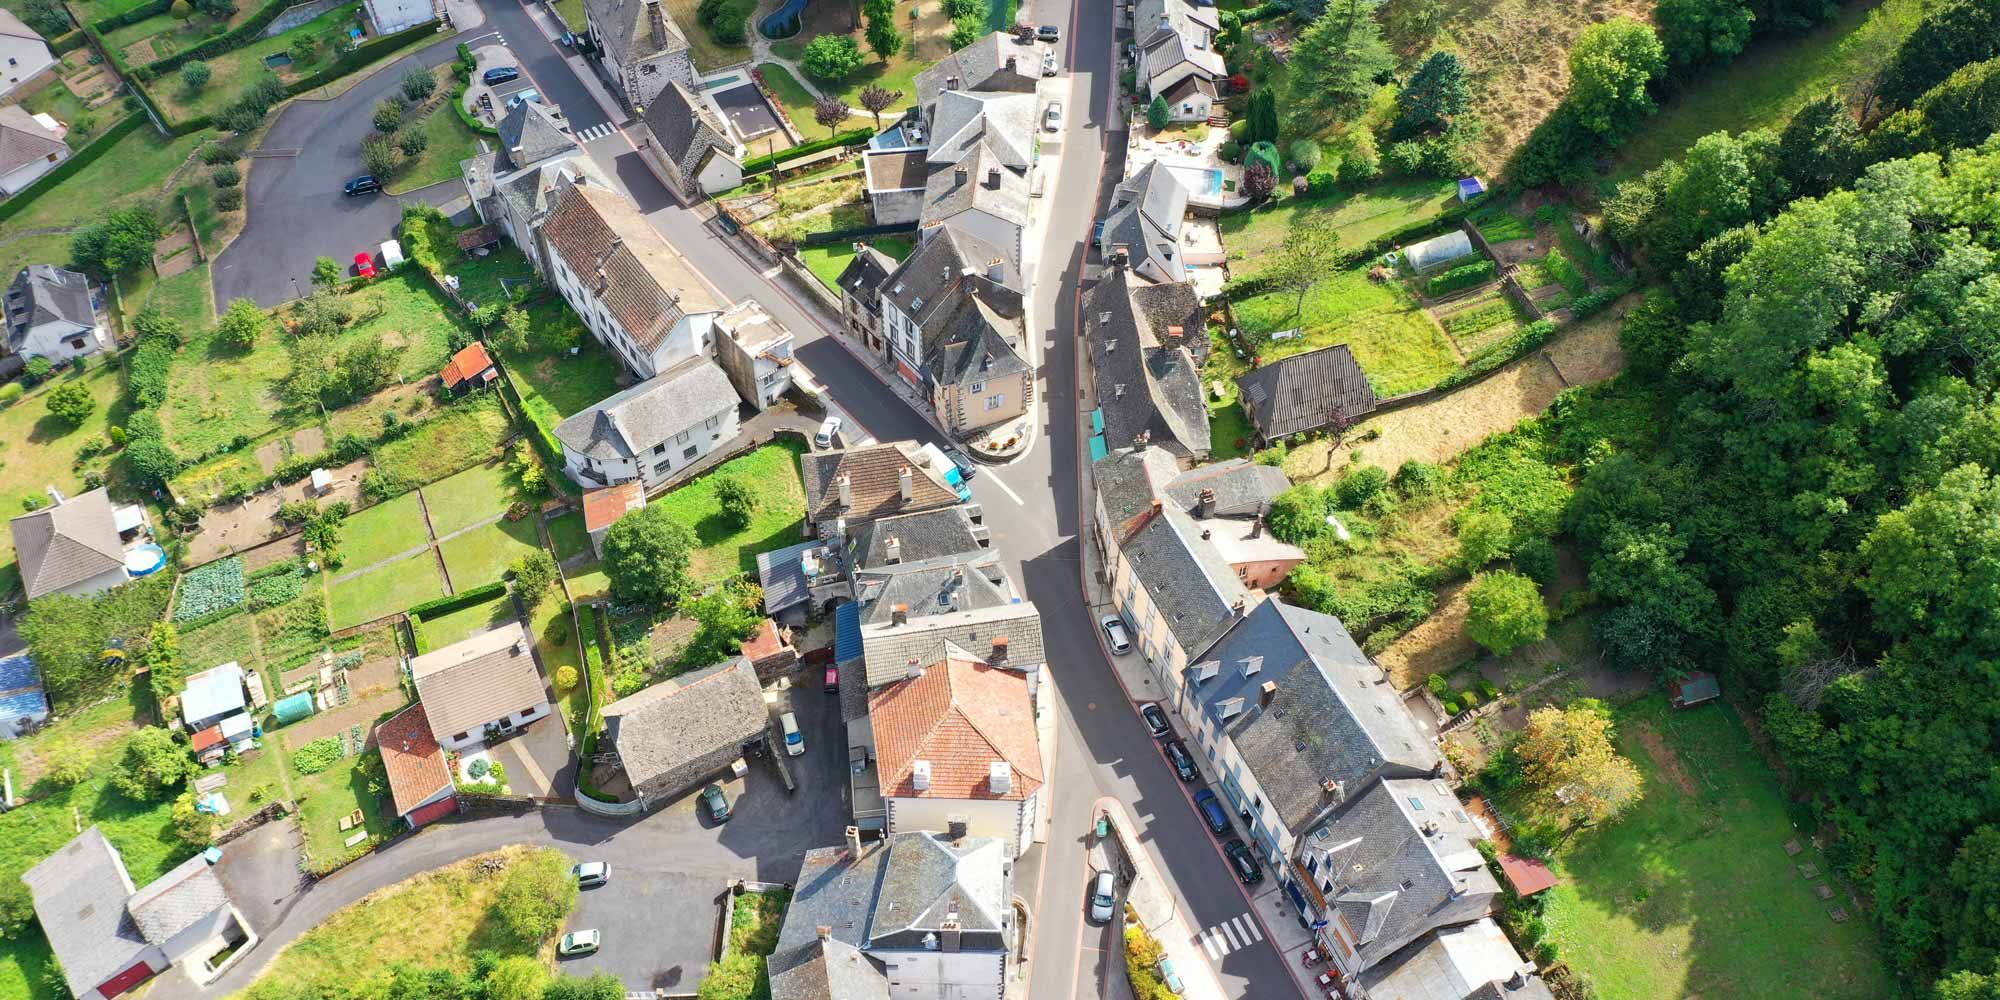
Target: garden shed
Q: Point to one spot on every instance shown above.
(1438, 252)
(293, 708)
(1694, 689)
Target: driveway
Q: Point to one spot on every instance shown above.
(297, 212)
(658, 927)
(538, 761)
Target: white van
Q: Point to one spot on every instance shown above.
(795, 741)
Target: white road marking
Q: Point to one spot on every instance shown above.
(1213, 947)
(989, 476)
(596, 132)
(1250, 930)
(1229, 931)
(1234, 934)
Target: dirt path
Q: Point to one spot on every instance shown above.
(1663, 757)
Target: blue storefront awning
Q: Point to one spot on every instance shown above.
(847, 632)
(1097, 451)
(1097, 421)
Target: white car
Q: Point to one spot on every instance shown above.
(591, 873)
(1114, 633)
(827, 431)
(579, 943)
(795, 741)
(1052, 121)
(1103, 898)
(1049, 63)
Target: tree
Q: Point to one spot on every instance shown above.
(1158, 114)
(1258, 182)
(597, 986)
(1297, 515)
(155, 763)
(877, 100)
(829, 112)
(1336, 64)
(242, 324)
(646, 557)
(738, 502)
(516, 977)
(534, 573)
(1484, 536)
(164, 670)
(412, 142)
(1412, 23)
(1262, 121)
(192, 827)
(883, 37)
(965, 31)
(1974, 877)
(195, 75)
(1967, 985)
(120, 241)
(304, 50)
(48, 17)
(71, 403)
(1572, 768)
(388, 115)
(327, 273)
(1956, 33)
(728, 615)
(1609, 69)
(1700, 33)
(1309, 254)
(380, 156)
(1436, 94)
(1964, 109)
(831, 58)
(1819, 149)
(535, 895)
(418, 83)
(1504, 611)
(1304, 155)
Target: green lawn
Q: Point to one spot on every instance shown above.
(235, 69)
(1396, 343)
(466, 622)
(188, 296)
(772, 473)
(467, 432)
(589, 583)
(568, 536)
(327, 796)
(794, 96)
(1359, 216)
(708, 54)
(219, 642)
(384, 590)
(42, 451)
(1692, 892)
(482, 555)
(384, 530)
(171, 34)
(827, 260)
(132, 171)
(472, 496)
(57, 100)
(567, 382)
(1773, 78)
(572, 14)
(450, 142)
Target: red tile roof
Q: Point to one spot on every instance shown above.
(962, 716)
(602, 508)
(469, 362)
(410, 755)
(764, 642)
(206, 738)
(1526, 875)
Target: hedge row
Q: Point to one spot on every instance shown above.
(1266, 12)
(1524, 340)
(68, 41)
(154, 8)
(361, 55)
(1478, 272)
(235, 38)
(759, 164)
(439, 606)
(471, 122)
(77, 161)
(1236, 291)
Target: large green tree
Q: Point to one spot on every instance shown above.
(646, 557)
(1696, 34)
(1956, 33)
(1610, 68)
(1335, 65)
(1436, 94)
(1504, 611)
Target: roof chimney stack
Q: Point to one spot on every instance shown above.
(899, 614)
(920, 775)
(846, 484)
(895, 547)
(1205, 504)
(853, 841)
(960, 175)
(993, 178)
(956, 828)
(825, 933)
(656, 19)
(906, 484)
(1266, 693)
(1000, 776)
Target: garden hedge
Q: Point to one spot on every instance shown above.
(439, 606)
(1266, 12)
(68, 41)
(235, 38)
(759, 164)
(1524, 340)
(1478, 272)
(458, 105)
(355, 58)
(153, 8)
(77, 161)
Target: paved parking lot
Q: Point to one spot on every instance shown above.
(659, 927)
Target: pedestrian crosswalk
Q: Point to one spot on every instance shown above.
(1230, 935)
(596, 132)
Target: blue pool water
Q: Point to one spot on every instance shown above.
(144, 559)
(783, 22)
(1200, 180)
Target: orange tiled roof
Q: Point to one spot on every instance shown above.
(602, 508)
(467, 363)
(411, 757)
(962, 716)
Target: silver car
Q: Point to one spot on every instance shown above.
(828, 430)
(1052, 121)
(1103, 896)
(1114, 633)
(590, 874)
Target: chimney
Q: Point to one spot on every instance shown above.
(1519, 980)
(1176, 336)
(55, 496)
(656, 17)
(1257, 527)
(999, 649)
(1013, 63)
(1268, 691)
(993, 178)
(906, 483)
(1000, 777)
(1334, 788)
(846, 484)
(825, 933)
(895, 547)
(955, 828)
(1205, 504)
(997, 270)
(948, 938)
(920, 775)
(1121, 254)
(853, 842)
(899, 614)
(1204, 534)
(959, 175)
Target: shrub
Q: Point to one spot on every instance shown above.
(1304, 154)
(226, 176)
(1356, 487)
(566, 677)
(1158, 114)
(380, 156)
(1231, 150)
(413, 143)
(1237, 130)
(1438, 685)
(1416, 480)
(38, 370)
(1483, 536)
(1362, 163)
(11, 392)
(1463, 276)
(195, 75)
(317, 755)
(228, 199)
(71, 403)
(146, 376)
(831, 58)
(1320, 183)
(388, 115)
(1566, 274)
(479, 769)
(1504, 611)
(1535, 557)
(418, 84)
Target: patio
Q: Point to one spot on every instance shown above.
(1196, 162)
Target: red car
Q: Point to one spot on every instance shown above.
(833, 679)
(364, 265)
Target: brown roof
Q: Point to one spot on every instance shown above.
(962, 716)
(469, 362)
(23, 140)
(412, 759)
(206, 738)
(896, 171)
(873, 473)
(68, 543)
(625, 262)
(764, 642)
(602, 508)
(468, 684)
(1527, 875)
(479, 236)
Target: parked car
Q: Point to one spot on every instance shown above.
(954, 476)
(1049, 63)
(1169, 977)
(1183, 762)
(1114, 633)
(569, 39)
(828, 430)
(591, 873)
(795, 741)
(1241, 858)
(717, 802)
(501, 74)
(1211, 811)
(364, 265)
(1097, 233)
(1052, 118)
(524, 97)
(1103, 897)
(966, 468)
(579, 943)
(1156, 719)
(833, 679)
(364, 184)
(1048, 33)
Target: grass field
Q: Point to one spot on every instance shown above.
(57, 100)
(188, 296)
(827, 260)
(926, 39)
(386, 529)
(464, 623)
(798, 101)
(467, 432)
(468, 498)
(568, 536)
(708, 54)
(131, 171)
(42, 450)
(772, 473)
(326, 797)
(1397, 344)
(482, 555)
(1359, 216)
(1691, 893)
(572, 14)
(384, 590)
(234, 70)
(450, 142)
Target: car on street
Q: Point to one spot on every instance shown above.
(1211, 811)
(833, 679)
(591, 873)
(1183, 762)
(1048, 33)
(1103, 897)
(1156, 719)
(717, 802)
(828, 430)
(954, 474)
(1169, 977)
(1049, 63)
(966, 468)
(364, 265)
(364, 184)
(1097, 233)
(795, 741)
(1241, 858)
(524, 97)
(501, 74)
(1115, 634)
(579, 943)
(1052, 119)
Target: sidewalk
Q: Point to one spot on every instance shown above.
(1150, 900)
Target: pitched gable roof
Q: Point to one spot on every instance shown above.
(981, 66)
(632, 422)
(468, 684)
(411, 758)
(686, 131)
(532, 132)
(80, 893)
(921, 284)
(980, 180)
(177, 900)
(68, 543)
(1147, 210)
(1241, 487)
(975, 341)
(914, 538)
(835, 890)
(1194, 588)
(44, 293)
(889, 650)
(624, 262)
(865, 273)
(602, 508)
(933, 587)
(470, 362)
(635, 30)
(962, 717)
(1148, 375)
(962, 122)
(873, 472)
(683, 719)
(928, 879)
(1301, 392)
(23, 140)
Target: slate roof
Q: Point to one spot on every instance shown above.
(412, 758)
(68, 543)
(645, 283)
(680, 720)
(962, 716)
(1299, 393)
(468, 684)
(889, 649)
(975, 341)
(1241, 487)
(782, 576)
(900, 170)
(629, 33)
(1334, 717)
(44, 293)
(865, 273)
(1170, 32)
(532, 132)
(919, 286)
(80, 893)
(631, 422)
(933, 587)
(686, 130)
(927, 535)
(979, 181)
(1161, 395)
(873, 473)
(1194, 588)
(1474, 960)
(1189, 86)
(836, 891)
(1130, 479)
(927, 878)
(963, 122)
(23, 140)
(530, 194)
(177, 900)
(981, 66)
(1147, 210)
(12, 26)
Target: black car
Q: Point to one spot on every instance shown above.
(1245, 862)
(1156, 720)
(1048, 33)
(966, 470)
(501, 74)
(364, 184)
(1211, 811)
(1183, 762)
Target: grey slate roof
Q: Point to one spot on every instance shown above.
(933, 587)
(1334, 716)
(23, 140)
(920, 284)
(68, 543)
(927, 878)
(633, 421)
(980, 180)
(1147, 210)
(963, 122)
(44, 293)
(1130, 479)
(629, 31)
(177, 900)
(1148, 382)
(531, 133)
(1472, 961)
(1193, 587)
(887, 647)
(931, 534)
(981, 66)
(686, 131)
(680, 720)
(975, 341)
(836, 891)
(874, 470)
(1241, 487)
(782, 577)
(1299, 393)
(865, 273)
(80, 893)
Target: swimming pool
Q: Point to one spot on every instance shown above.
(721, 81)
(1200, 180)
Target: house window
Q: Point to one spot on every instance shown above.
(661, 469)
(681, 438)
(713, 421)
(976, 388)
(996, 401)
(76, 343)
(11, 61)
(659, 449)
(52, 157)
(692, 451)
(524, 713)
(461, 737)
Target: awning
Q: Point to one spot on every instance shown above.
(1097, 421)
(847, 632)
(1097, 450)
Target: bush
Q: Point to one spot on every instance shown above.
(1356, 487)
(228, 199)
(226, 176)
(1304, 154)
(195, 75)
(1504, 611)
(317, 755)
(1238, 129)
(388, 115)
(413, 143)
(566, 677)
(1362, 163)
(1320, 183)
(831, 58)
(1463, 276)
(1231, 150)
(418, 84)
(71, 403)
(1417, 480)
(1438, 685)
(1535, 557)
(13, 390)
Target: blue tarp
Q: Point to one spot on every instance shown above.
(19, 672)
(847, 632)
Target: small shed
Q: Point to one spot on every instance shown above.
(1694, 689)
(322, 481)
(603, 507)
(208, 745)
(479, 239)
(1526, 876)
(1438, 251)
(1470, 188)
(470, 368)
(292, 708)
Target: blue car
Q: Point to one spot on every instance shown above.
(1211, 811)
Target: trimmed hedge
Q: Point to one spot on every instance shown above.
(759, 164)
(348, 62)
(458, 105)
(68, 41)
(77, 161)
(235, 38)
(1266, 12)
(439, 606)
(1478, 272)
(133, 16)
(1448, 219)
(1524, 340)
